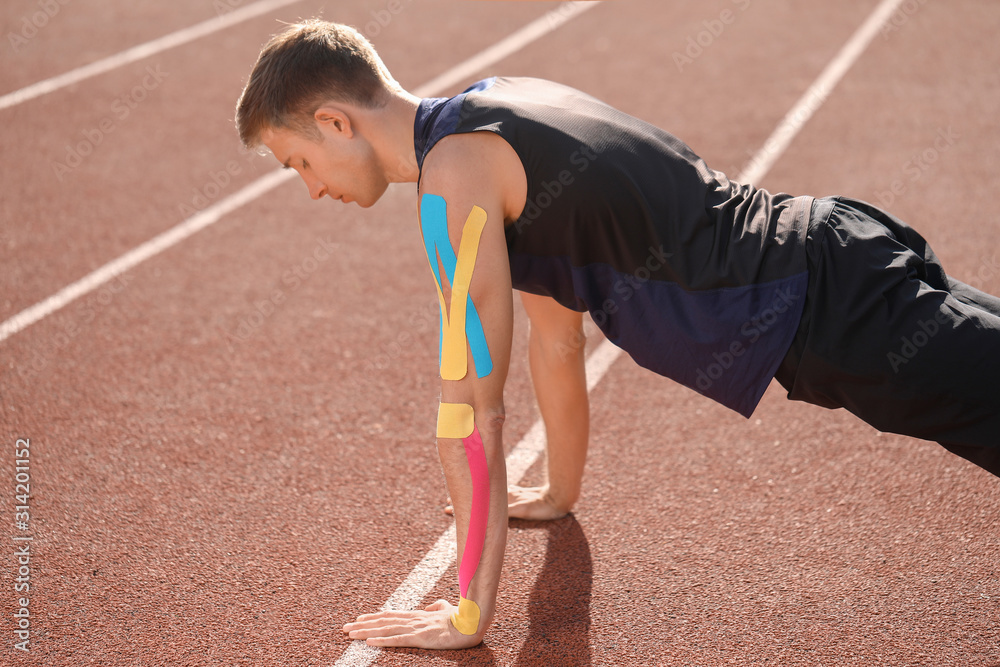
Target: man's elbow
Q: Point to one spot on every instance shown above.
(490, 420)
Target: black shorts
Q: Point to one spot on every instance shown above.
(889, 336)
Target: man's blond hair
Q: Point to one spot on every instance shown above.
(302, 68)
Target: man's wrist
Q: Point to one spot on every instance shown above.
(560, 499)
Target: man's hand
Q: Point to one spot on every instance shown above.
(531, 503)
(427, 628)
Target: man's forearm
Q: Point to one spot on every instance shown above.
(481, 531)
(560, 382)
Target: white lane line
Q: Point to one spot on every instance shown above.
(141, 253)
(505, 47)
(816, 95)
(424, 577)
(141, 51)
(212, 214)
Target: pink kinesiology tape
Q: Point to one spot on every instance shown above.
(476, 537)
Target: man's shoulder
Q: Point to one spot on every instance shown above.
(465, 150)
(480, 162)
(466, 155)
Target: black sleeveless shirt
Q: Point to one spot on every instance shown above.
(698, 278)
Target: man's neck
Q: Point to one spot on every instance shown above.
(394, 144)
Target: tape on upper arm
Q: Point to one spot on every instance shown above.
(460, 325)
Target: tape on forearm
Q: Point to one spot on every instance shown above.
(461, 327)
(458, 420)
(455, 420)
(466, 619)
(479, 516)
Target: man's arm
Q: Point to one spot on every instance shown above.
(460, 179)
(557, 359)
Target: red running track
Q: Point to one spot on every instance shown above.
(232, 452)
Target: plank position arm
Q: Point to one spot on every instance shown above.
(462, 214)
(556, 356)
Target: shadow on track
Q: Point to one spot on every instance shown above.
(559, 607)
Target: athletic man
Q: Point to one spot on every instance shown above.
(527, 184)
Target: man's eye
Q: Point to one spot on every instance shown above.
(305, 165)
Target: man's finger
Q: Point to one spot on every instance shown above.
(390, 630)
(437, 605)
(396, 640)
(378, 618)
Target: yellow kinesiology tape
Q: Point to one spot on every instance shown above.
(457, 336)
(458, 420)
(455, 420)
(454, 354)
(466, 619)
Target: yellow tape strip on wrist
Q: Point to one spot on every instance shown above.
(455, 420)
(466, 620)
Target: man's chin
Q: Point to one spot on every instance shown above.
(344, 199)
(359, 202)
(368, 203)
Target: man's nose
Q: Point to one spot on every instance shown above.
(317, 190)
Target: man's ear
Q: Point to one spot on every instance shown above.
(334, 120)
